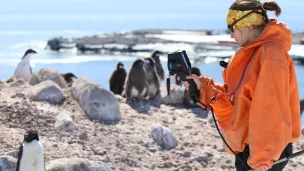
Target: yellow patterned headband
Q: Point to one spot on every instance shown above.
(254, 19)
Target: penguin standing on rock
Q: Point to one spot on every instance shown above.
(117, 79)
(24, 69)
(30, 156)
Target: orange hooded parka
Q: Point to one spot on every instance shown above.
(264, 111)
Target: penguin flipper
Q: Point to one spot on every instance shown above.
(19, 157)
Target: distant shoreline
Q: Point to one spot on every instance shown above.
(199, 43)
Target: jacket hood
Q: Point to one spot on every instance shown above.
(275, 31)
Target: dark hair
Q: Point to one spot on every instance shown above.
(243, 5)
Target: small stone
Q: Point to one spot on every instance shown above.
(188, 127)
(228, 161)
(186, 154)
(224, 167)
(83, 136)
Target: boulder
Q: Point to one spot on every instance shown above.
(76, 164)
(13, 153)
(65, 123)
(164, 137)
(48, 74)
(97, 102)
(47, 91)
(176, 95)
(8, 163)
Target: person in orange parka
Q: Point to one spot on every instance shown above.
(257, 107)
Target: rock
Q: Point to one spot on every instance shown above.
(61, 43)
(10, 80)
(76, 164)
(13, 153)
(97, 102)
(84, 136)
(2, 85)
(176, 95)
(120, 98)
(65, 123)
(204, 158)
(48, 74)
(186, 154)
(164, 137)
(8, 163)
(228, 161)
(18, 82)
(47, 91)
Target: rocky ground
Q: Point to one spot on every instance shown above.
(127, 145)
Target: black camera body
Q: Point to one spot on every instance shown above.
(179, 65)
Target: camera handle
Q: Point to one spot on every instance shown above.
(194, 93)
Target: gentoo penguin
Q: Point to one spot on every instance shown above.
(160, 72)
(118, 78)
(69, 78)
(30, 157)
(24, 69)
(136, 84)
(152, 78)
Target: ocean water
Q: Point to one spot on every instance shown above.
(29, 24)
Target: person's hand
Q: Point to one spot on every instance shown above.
(196, 79)
(262, 168)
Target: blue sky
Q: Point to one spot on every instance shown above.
(201, 11)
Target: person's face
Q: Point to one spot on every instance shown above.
(241, 35)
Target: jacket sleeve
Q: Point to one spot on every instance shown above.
(221, 105)
(208, 89)
(270, 116)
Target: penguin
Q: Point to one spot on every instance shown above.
(160, 72)
(118, 78)
(137, 84)
(30, 156)
(24, 69)
(69, 78)
(187, 101)
(152, 78)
